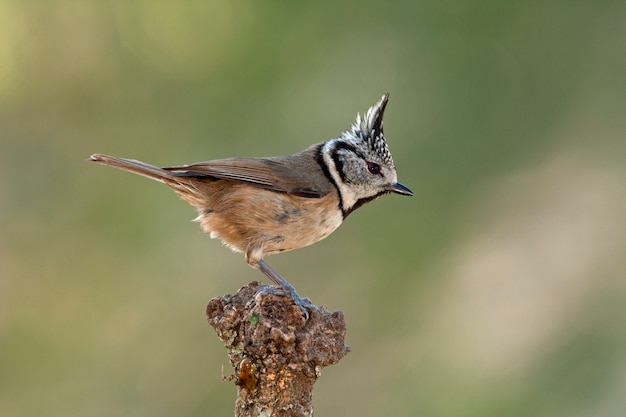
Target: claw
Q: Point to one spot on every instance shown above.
(285, 287)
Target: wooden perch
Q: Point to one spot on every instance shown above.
(277, 355)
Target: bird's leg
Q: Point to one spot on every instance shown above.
(302, 303)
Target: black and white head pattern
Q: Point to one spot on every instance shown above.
(369, 129)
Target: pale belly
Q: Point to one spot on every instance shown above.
(270, 221)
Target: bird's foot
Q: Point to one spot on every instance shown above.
(304, 304)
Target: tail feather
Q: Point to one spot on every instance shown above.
(133, 166)
(186, 188)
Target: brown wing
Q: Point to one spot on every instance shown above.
(289, 174)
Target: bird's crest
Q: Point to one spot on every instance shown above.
(369, 128)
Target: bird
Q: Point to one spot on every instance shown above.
(266, 205)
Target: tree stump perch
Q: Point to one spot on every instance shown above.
(277, 355)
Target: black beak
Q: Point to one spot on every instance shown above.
(400, 189)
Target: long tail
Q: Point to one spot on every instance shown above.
(134, 166)
(185, 187)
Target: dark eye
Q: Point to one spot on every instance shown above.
(373, 168)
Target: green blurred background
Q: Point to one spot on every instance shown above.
(499, 289)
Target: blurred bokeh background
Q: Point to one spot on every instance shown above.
(499, 289)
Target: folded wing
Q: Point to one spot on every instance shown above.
(275, 174)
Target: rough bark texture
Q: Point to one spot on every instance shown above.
(277, 355)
